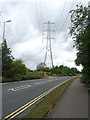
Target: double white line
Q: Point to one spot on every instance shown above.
(20, 87)
(23, 108)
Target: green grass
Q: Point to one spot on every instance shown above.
(41, 110)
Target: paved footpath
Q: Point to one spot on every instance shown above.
(73, 104)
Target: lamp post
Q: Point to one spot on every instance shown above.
(89, 12)
(4, 28)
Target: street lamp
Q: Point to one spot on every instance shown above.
(4, 28)
(89, 12)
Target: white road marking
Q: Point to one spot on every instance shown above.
(50, 80)
(20, 87)
(38, 83)
(4, 83)
(27, 85)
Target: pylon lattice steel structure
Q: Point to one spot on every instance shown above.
(48, 32)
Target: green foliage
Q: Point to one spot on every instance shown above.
(64, 70)
(41, 66)
(0, 62)
(59, 71)
(56, 70)
(89, 90)
(27, 76)
(32, 75)
(6, 59)
(18, 68)
(79, 19)
(80, 30)
(0, 78)
(15, 70)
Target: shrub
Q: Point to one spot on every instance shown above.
(89, 90)
(32, 75)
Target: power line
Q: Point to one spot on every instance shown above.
(60, 16)
(58, 12)
(63, 25)
(39, 8)
(38, 16)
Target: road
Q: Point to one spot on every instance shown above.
(17, 94)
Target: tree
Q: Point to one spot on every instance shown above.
(18, 68)
(0, 61)
(80, 31)
(41, 66)
(56, 70)
(7, 59)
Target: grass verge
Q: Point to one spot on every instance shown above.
(41, 110)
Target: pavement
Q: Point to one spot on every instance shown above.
(73, 103)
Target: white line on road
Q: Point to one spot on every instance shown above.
(27, 85)
(20, 87)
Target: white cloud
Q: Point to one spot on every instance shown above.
(23, 33)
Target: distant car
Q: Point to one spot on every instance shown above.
(70, 74)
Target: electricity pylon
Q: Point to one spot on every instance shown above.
(47, 32)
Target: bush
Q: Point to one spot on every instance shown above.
(6, 80)
(32, 75)
(89, 90)
(28, 76)
(0, 79)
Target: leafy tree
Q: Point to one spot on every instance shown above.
(80, 30)
(63, 70)
(18, 68)
(41, 66)
(73, 71)
(7, 59)
(56, 70)
(0, 61)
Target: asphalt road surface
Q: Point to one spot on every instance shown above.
(17, 94)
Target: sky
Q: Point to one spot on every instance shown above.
(25, 31)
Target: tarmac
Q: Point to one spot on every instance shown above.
(73, 103)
